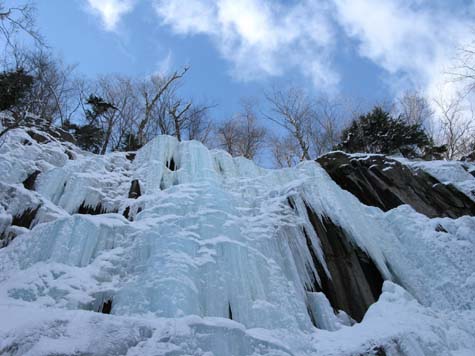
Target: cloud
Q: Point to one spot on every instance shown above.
(260, 38)
(110, 11)
(413, 40)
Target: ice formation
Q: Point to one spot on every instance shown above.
(205, 254)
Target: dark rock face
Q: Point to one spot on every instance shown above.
(91, 210)
(22, 220)
(25, 219)
(355, 282)
(20, 209)
(43, 131)
(130, 156)
(383, 182)
(106, 307)
(126, 212)
(29, 183)
(134, 191)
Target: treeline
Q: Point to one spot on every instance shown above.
(118, 112)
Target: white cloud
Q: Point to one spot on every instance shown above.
(110, 11)
(414, 40)
(260, 38)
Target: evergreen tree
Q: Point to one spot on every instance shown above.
(379, 132)
(98, 107)
(89, 137)
(14, 87)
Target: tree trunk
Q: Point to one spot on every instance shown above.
(106, 139)
(177, 130)
(141, 129)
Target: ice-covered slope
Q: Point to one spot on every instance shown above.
(185, 251)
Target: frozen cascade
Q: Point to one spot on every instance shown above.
(212, 238)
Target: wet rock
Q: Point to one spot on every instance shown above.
(38, 137)
(106, 307)
(134, 191)
(29, 183)
(355, 282)
(48, 131)
(383, 182)
(91, 210)
(10, 234)
(130, 156)
(25, 219)
(126, 213)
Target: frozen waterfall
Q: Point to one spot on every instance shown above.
(213, 255)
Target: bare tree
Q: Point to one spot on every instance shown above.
(241, 135)
(161, 123)
(151, 91)
(54, 94)
(313, 125)
(457, 119)
(119, 92)
(228, 136)
(14, 20)
(178, 110)
(292, 110)
(464, 68)
(326, 126)
(414, 108)
(199, 126)
(285, 150)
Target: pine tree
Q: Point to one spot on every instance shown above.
(14, 87)
(379, 132)
(89, 137)
(98, 107)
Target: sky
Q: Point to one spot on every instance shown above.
(366, 50)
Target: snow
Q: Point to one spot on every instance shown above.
(210, 239)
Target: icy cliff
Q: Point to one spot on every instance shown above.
(179, 250)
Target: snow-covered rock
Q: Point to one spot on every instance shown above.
(435, 188)
(187, 251)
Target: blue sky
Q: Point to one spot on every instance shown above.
(368, 50)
